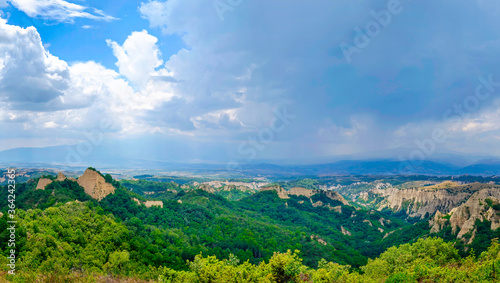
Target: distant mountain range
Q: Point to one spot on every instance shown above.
(447, 163)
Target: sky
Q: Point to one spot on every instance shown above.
(242, 81)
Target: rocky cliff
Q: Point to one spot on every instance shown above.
(424, 201)
(151, 203)
(42, 183)
(282, 193)
(299, 191)
(206, 188)
(95, 185)
(60, 177)
(229, 185)
(482, 205)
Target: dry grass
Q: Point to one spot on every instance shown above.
(440, 186)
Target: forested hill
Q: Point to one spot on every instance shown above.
(63, 231)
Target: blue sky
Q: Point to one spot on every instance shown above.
(193, 80)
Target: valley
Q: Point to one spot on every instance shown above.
(167, 220)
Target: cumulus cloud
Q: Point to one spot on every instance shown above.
(410, 73)
(29, 75)
(58, 10)
(233, 74)
(137, 57)
(46, 96)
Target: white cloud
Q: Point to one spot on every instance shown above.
(58, 10)
(156, 13)
(29, 75)
(137, 57)
(232, 75)
(45, 96)
(222, 119)
(50, 125)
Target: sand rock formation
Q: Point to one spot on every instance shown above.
(60, 177)
(95, 185)
(345, 231)
(42, 183)
(206, 188)
(236, 187)
(299, 191)
(151, 203)
(334, 196)
(482, 205)
(318, 203)
(317, 238)
(463, 218)
(438, 222)
(282, 193)
(425, 201)
(229, 185)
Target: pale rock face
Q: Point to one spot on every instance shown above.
(462, 218)
(317, 238)
(387, 234)
(338, 209)
(475, 208)
(60, 177)
(281, 192)
(463, 205)
(318, 203)
(345, 231)
(422, 201)
(42, 183)
(335, 196)
(206, 188)
(151, 203)
(437, 222)
(299, 191)
(95, 185)
(242, 186)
